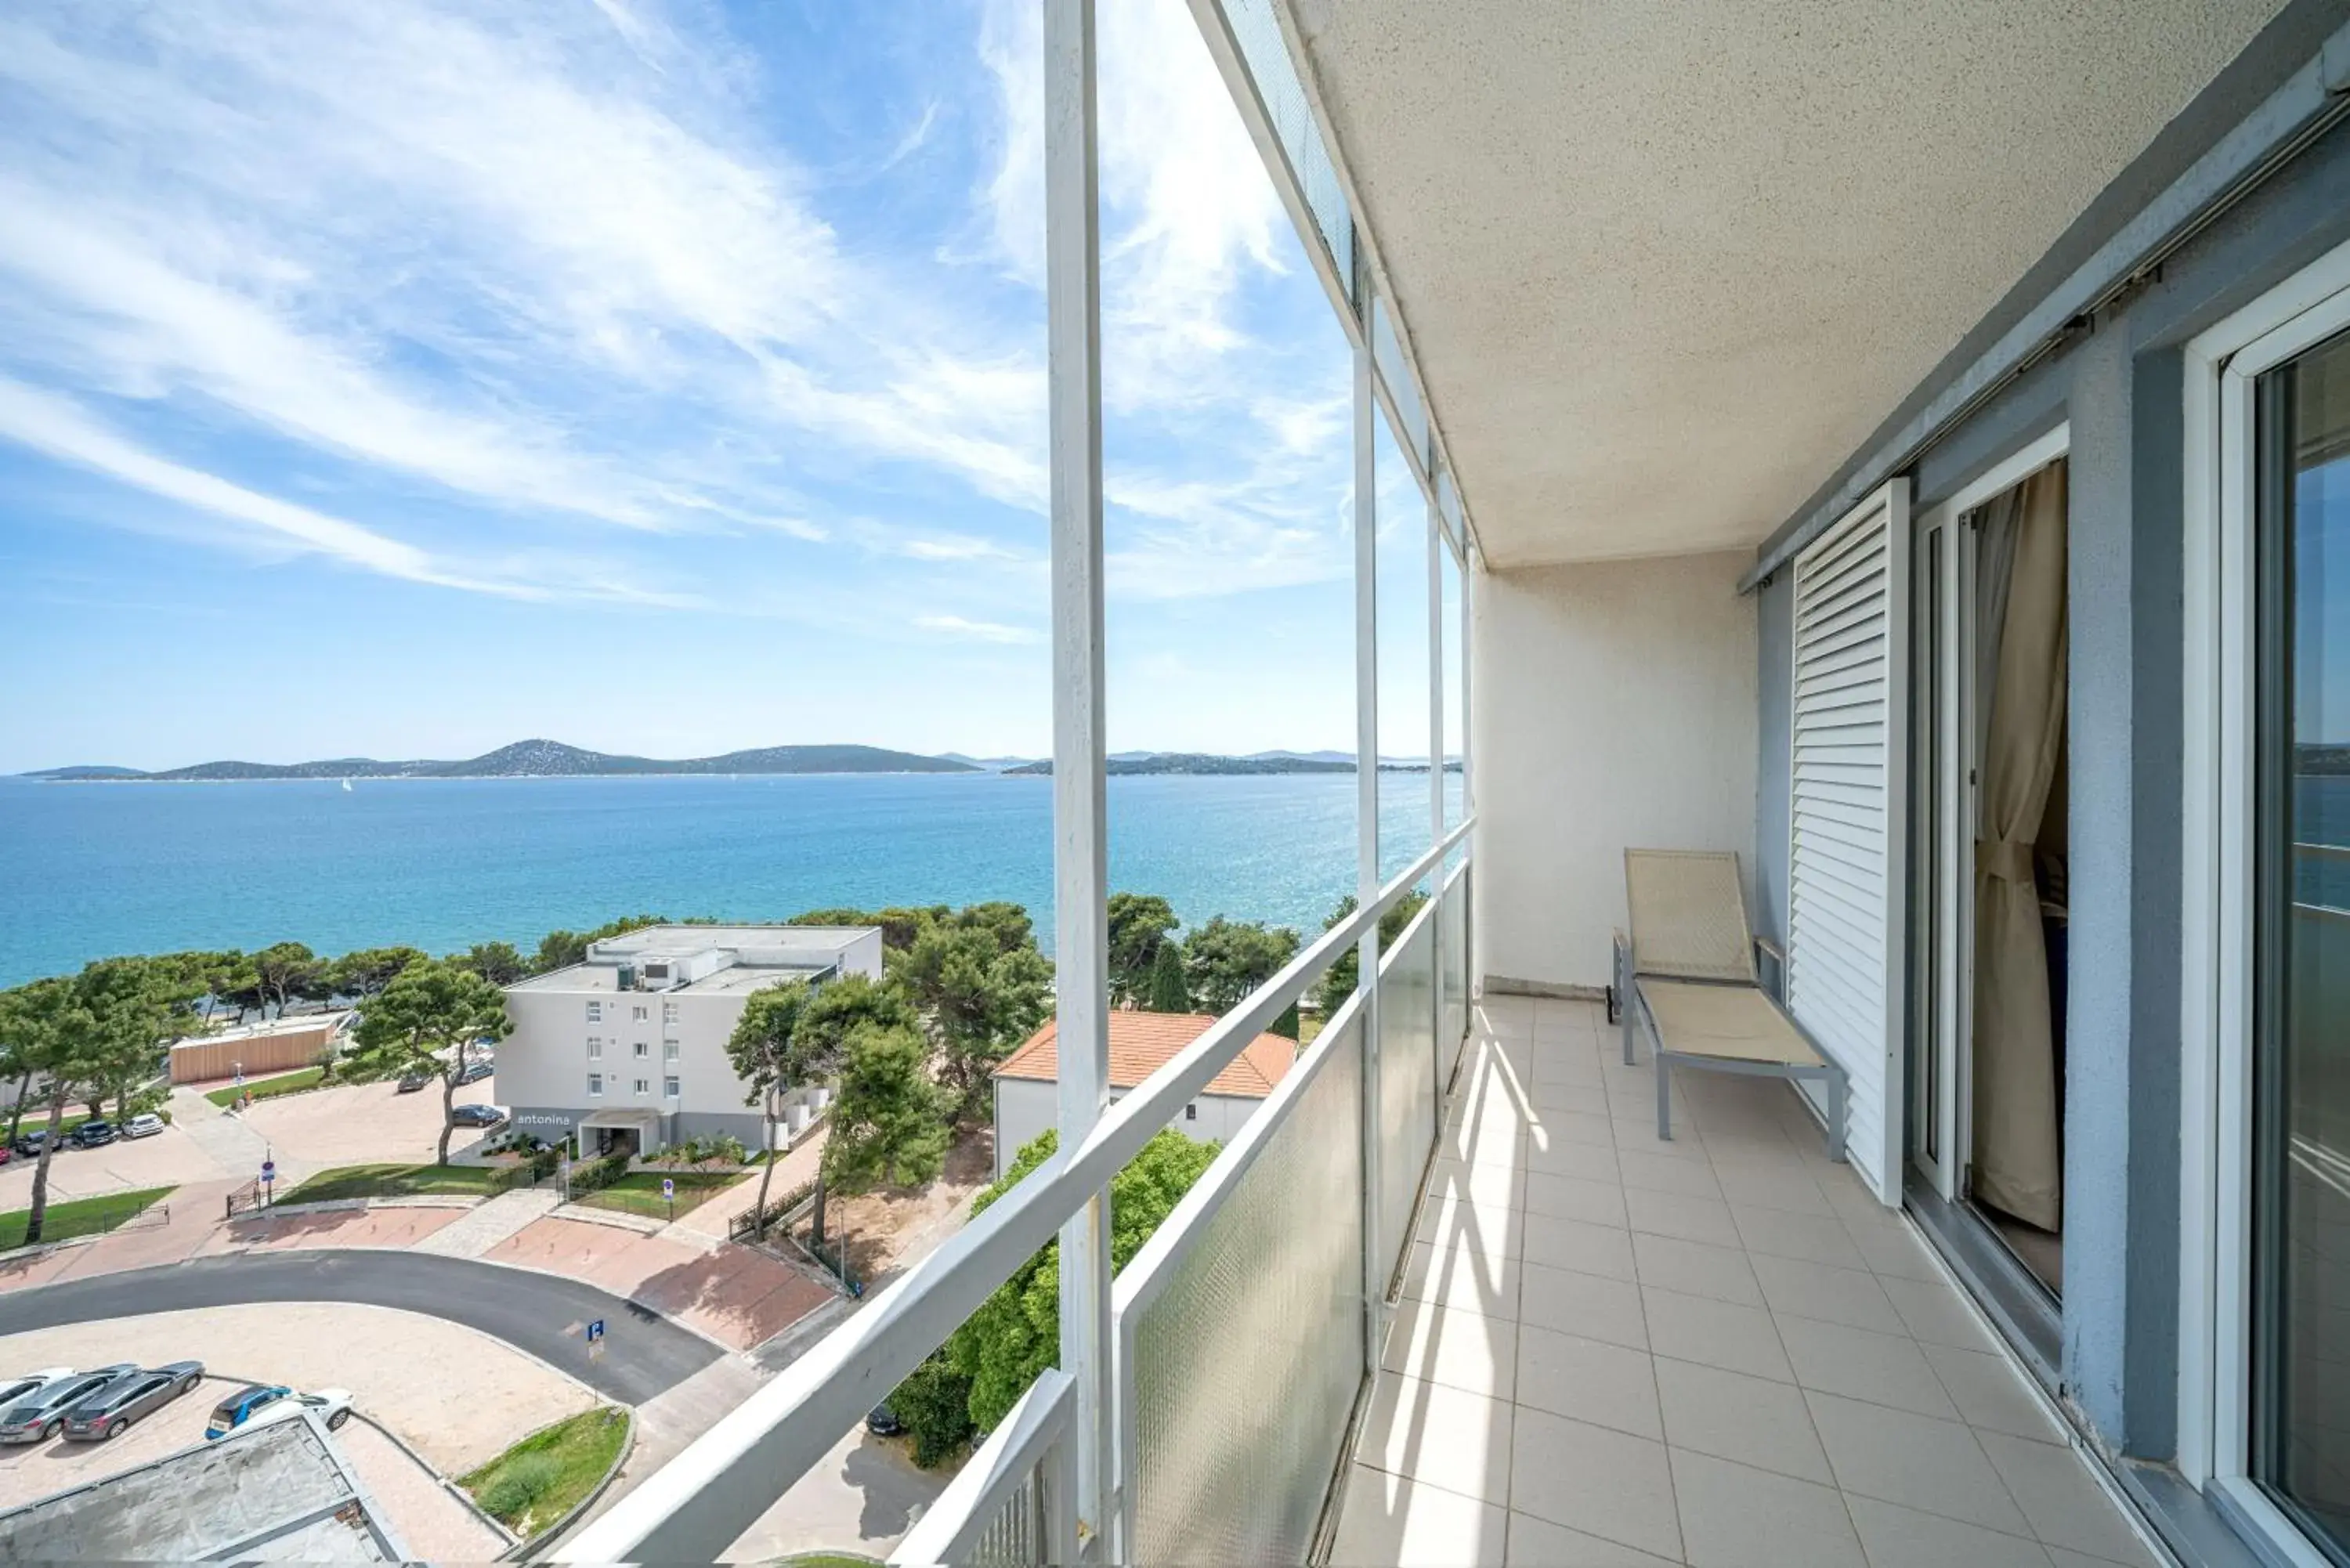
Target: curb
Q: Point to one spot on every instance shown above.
(447, 1485)
(643, 1224)
(43, 1249)
(427, 1465)
(578, 1510)
(353, 1205)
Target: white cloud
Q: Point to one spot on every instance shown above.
(979, 631)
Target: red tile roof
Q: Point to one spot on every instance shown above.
(1142, 1043)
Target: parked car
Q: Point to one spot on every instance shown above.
(477, 1116)
(882, 1422)
(96, 1417)
(474, 1072)
(91, 1134)
(266, 1404)
(146, 1124)
(36, 1416)
(411, 1082)
(15, 1388)
(7, 1154)
(29, 1144)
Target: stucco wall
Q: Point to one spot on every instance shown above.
(1614, 708)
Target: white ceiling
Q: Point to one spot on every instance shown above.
(1664, 266)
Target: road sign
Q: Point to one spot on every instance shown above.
(668, 1187)
(595, 1331)
(268, 1170)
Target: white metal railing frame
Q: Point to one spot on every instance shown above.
(696, 1506)
(1026, 1451)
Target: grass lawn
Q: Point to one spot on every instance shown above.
(640, 1192)
(390, 1181)
(82, 1217)
(267, 1088)
(537, 1481)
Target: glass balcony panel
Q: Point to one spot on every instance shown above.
(1454, 937)
(1245, 1350)
(1406, 1028)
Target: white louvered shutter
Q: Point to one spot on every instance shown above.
(1846, 861)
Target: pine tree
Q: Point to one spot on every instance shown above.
(1168, 991)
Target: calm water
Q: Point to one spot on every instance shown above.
(87, 870)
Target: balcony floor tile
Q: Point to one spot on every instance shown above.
(1721, 1349)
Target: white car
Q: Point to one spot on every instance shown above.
(146, 1126)
(15, 1388)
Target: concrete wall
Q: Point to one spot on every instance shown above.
(1027, 1106)
(1615, 708)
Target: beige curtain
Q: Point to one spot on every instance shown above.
(2016, 1096)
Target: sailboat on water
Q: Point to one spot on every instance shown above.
(347, 786)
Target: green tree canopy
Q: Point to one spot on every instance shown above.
(888, 1126)
(1139, 924)
(496, 962)
(760, 1051)
(1224, 960)
(819, 1046)
(1339, 980)
(1169, 991)
(978, 999)
(421, 1023)
(286, 970)
(102, 1031)
(900, 925)
(1015, 1334)
(364, 972)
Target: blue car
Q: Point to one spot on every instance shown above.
(242, 1406)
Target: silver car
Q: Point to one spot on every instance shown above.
(95, 1417)
(36, 1417)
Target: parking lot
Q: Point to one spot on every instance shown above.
(456, 1396)
(354, 1124)
(360, 1123)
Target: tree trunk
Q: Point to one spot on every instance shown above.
(40, 1212)
(816, 1229)
(16, 1109)
(767, 1169)
(448, 1107)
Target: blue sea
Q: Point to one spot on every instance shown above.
(90, 870)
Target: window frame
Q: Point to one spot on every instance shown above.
(672, 1086)
(2222, 368)
(595, 1085)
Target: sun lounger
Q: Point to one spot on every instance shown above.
(1687, 971)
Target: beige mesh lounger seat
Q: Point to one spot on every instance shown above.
(1688, 971)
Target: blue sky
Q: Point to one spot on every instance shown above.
(408, 379)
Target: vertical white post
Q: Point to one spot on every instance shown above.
(1436, 551)
(1080, 845)
(1469, 970)
(1367, 835)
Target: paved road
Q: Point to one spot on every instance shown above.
(644, 1352)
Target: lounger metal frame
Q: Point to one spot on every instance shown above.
(1635, 1006)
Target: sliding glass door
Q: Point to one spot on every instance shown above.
(2300, 1242)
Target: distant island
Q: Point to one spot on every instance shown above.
(536, 760)
(553, 759)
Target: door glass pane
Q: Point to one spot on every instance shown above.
(2300, 1437)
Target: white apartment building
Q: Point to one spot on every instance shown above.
(628, 1049)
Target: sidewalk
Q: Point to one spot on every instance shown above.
(477, 1230)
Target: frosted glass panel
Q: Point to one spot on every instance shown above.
(1407, 1018)
(1248, 1359)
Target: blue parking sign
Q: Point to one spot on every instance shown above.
(596, 1331)
(669, 1187)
